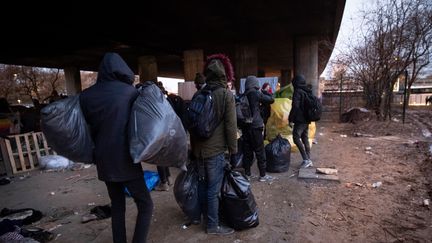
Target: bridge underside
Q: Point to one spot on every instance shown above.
(77, 37)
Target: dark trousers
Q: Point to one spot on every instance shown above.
(144, 203)
(254, 143)
(301, 139)
(209, 189)
(164, 173)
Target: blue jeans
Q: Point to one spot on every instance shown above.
(210, 188)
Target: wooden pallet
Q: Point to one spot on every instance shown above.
(21, 152)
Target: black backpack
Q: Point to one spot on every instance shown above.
(313, 107)
(243, 111)
(201, 113)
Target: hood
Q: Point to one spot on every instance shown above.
(299, 81)
(252, 83)
(215, 73)
(114, 68)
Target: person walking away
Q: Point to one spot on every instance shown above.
(106, 107)
(297, 120)
(253, 133)
(210, 152)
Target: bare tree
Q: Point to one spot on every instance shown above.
(8, 75)
(397, 38)
(39, 83)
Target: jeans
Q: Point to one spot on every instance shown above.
(209, 188)
(254, 143)
(301, 139)
(143, 201)
(164, 173)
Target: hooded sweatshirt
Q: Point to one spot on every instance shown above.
(225, 135)
(256, 98)
(297, 113)
(106, 107)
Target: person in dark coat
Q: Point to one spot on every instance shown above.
(253, 133)
(106, 107)
(297, 119)
(265, 108)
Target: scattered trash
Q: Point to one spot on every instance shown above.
(54, 162)
(395, 119)
(314, 141)
(321, 134)
(52, 193)
(369, 152)
(4, 181)
(91, 204)
(368, 148)
(327, 171)
(343, 136)
(357, 134)
(426, 202)
(426, 133)
(291, 204)
(359, 184)
(87, 166)
(284, 202)
(377, 184)
(184, 226)
(237, 241)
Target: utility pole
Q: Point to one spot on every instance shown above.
(405, 97)
(340, 98)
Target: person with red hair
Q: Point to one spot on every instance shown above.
(209, 153)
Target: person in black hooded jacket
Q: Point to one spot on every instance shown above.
(297, 119)
(253, 133)
(106, 107)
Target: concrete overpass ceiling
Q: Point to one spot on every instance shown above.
(78, 36)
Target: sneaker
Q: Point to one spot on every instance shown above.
(306, 164)
(266, 178)
(220, 230)
(162, 187)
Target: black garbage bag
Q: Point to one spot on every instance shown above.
(186, 192)
(156, 133)
(278, 154)
(238, 206)
(237, 162)
(66, 130)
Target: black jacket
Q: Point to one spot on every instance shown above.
(265, 108)
(297, 113)
(256, 99)
(106, 107)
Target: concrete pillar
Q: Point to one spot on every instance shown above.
(246, 61)
(286, 77)
(73, 80)
(306, 60)
(147, 68)
(193, 61)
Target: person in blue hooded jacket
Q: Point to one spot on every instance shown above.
(106, 107)
(298, 119)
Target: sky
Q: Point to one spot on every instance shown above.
(349, 28)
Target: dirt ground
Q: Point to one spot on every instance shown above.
(290, 209)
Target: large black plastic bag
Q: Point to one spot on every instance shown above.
(238, 205)
(186, 192)
(66, 130)
(238, 158)
(278, 154)
(156, 133)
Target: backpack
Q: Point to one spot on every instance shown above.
(243, 111)
(201, 113)
(313, 107)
